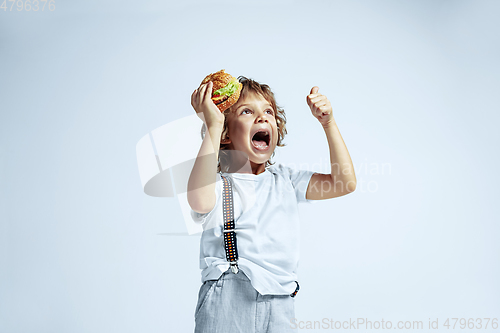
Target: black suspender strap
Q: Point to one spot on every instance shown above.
(229, 234)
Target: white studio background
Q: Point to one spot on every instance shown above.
(413, 85)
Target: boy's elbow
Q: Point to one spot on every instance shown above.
(351, 186)
(201, 205)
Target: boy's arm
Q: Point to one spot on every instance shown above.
(201, 185)
(342, 179)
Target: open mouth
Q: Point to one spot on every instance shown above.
(261, 139)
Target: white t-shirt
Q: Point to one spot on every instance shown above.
(267, 228)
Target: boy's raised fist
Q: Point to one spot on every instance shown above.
(320, 107)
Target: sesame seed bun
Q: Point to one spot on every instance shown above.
(220, 79)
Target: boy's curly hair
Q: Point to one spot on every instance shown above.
(263, 90)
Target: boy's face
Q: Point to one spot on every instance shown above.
(250, 114)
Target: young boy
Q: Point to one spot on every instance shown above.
(257, 296)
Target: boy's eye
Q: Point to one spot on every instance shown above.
(270, 111)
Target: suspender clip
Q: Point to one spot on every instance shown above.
(234, 267)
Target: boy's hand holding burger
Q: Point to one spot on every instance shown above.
(217, 92)
(205, 108)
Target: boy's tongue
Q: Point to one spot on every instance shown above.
(260, 144)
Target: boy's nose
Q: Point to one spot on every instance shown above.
(262, 117)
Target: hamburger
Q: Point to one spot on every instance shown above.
(226, 89)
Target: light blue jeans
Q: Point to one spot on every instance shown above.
(231, 305)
